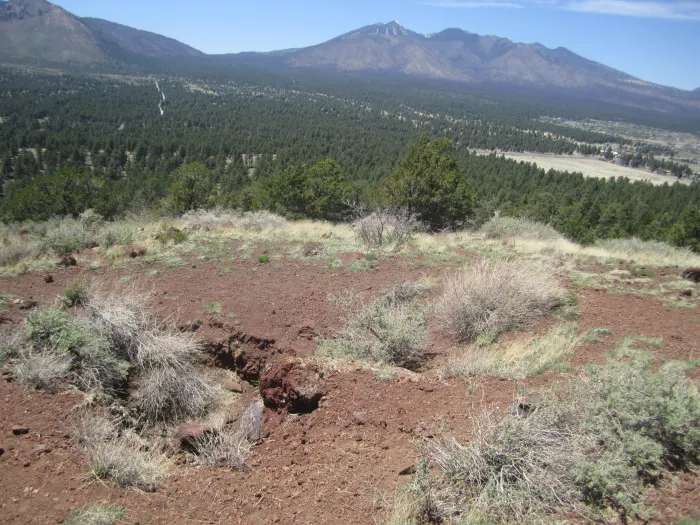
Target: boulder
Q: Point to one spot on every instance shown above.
(190, 432)
(691, 274)
(291, 385)
(24, 230)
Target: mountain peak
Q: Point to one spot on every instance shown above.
(392, 28)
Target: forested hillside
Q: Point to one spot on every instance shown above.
(121, 144)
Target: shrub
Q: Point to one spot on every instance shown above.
(166, 235)
(77, 292)
(261, 220)
(503, 227)
(95, 515)
(385, 227)
(496, 296)
(264, 259)
(170, 387)
(127, 465)
(95, 365)
(120, 456)
(64, 236)
(15, 248)
(42, 370)
(117, 235)
(229, 447)
(595, 442)
(382, 332)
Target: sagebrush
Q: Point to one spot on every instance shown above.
(493, 296)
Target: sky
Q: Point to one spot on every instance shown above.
(657, 41)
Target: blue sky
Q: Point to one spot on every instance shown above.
(658, 41)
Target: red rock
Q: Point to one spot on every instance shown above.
(291, 385)
(189, 433)
(137, 251)
(691, 274)
(20, 430)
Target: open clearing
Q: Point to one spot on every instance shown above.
(278, 293)
(589, 167)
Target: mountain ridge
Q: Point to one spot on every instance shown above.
(40, 30)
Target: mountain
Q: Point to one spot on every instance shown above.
(36, 29)
(39, 30)
(140, 42)
(457, 56)
(454, 54)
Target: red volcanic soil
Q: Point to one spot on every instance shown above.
(339, 464)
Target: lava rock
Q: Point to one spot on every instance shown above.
(291, 385)
(20, 430)
(136, 251)
(691, 274)
(189, 433)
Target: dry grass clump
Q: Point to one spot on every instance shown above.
(15, 248)
(169, 386)
(232, 444)
(593, 443)
(385, 228)
(120, 455)
(648, 252)
(391, 330)
(519, 358)
(504, 227)
(95, 515)
(42, 370)
(218, 218)
(490, 297)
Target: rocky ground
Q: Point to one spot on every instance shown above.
(340, 458)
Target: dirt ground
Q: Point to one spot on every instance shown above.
(339, 464)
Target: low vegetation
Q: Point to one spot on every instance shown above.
(590, 444)
(385, 228)
(519, 358)
(392, 329)
(96, 514)
(490, 297)
(505, 227)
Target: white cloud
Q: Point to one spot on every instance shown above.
(646, 9)
(666, 9)
(473, 5)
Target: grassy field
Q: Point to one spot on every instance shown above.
(590, 167)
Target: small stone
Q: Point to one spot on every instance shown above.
(686, 293)
(48, 279)
(27, 464)
(20, 430)
(137, 251)
(359, 418)
(233, 386)
(411, 469)
(42, 449)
